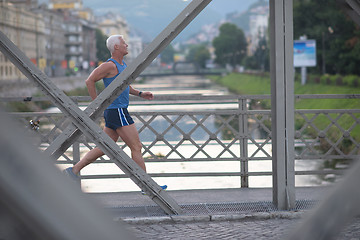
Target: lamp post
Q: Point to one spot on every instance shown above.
(331, 31)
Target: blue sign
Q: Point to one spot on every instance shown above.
(304, 53)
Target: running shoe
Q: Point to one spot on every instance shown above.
(164, 187)
(68, 172)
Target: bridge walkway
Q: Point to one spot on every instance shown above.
(217, 214)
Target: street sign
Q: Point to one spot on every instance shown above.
(304, 53)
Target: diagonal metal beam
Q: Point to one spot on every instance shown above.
(355, 5)
(128, 76)
(42, 216)
(351, 8)
(91, 129)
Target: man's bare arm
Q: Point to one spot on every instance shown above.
(103, 71)
(146, 95)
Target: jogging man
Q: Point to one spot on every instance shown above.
(118, 122)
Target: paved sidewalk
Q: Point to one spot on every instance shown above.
(268, 229)
(239, 214)
(240, 229)
(235, 195)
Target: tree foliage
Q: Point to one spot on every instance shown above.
(198, 54)
(167, 55)
(102, 53)
(260, 60)
(337, 36)
(230, 45)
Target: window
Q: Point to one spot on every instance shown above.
(72, 38)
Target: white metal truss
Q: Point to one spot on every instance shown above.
(85, 124)
(65, 140)
(282, 92)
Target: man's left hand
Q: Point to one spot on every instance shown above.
(147, 95)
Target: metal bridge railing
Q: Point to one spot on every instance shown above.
(218, 129)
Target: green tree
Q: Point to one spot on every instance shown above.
(102, 53)
(337, 36)
(167, 55)
(249, 62)
(198, 54)
(262, 54)
(230, 45)
(260, 59)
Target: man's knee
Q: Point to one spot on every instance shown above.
(137, 146)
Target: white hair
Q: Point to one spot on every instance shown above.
(112, 41)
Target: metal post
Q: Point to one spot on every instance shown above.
(243, 131)
(303, 75)
(282, 101)
(76, 152)
(76, 147)
(323, 53)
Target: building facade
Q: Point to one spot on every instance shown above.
(60, 38)
(113, 24)
(27, 31)
(54, 41)
(135, 48)
(258, 25)
(80, 34)
(80, 43)
(65, 4)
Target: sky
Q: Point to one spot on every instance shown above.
(152, 16)
(221, 6)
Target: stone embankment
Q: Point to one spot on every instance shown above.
(26, 88)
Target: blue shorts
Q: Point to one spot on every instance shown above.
(117, 117)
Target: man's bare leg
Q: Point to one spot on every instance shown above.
(130, 136)
(94, 153)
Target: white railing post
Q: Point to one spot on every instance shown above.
(244, 140)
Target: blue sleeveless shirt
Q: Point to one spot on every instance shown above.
(123, 100)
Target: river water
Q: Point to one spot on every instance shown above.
(188, 85)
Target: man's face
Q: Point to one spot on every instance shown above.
(123, 47)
